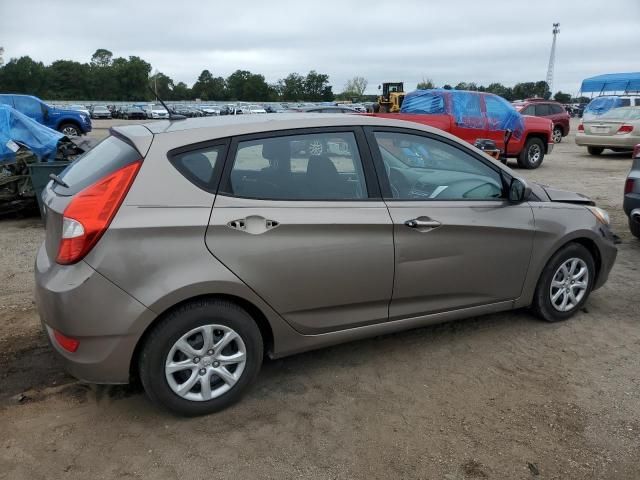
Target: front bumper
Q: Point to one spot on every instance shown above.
(80, 303)
(608, 253)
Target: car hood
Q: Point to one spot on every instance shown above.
(565, 196)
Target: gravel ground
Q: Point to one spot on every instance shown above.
(500, 396)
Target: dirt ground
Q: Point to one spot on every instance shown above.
(497, 397)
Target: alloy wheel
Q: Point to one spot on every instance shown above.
(569, 284)
(205, 362)
(70, 132)
(557, 135)
(534, 154)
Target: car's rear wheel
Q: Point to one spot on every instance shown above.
(557, 135)
(595, 150)
(70, 130)
(532, 154)
(565, 283)
(201, 357)
(634, 226)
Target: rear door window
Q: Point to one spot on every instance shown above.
(321, 166)
(29, 106)
(556, 109)
(542, 110)
(106, 157)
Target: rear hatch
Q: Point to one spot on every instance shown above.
(79, 179)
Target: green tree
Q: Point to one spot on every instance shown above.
(23, 75)
(102, 58)
(461, 86)
(181, 92)
(67, 80)
(562, 97)
(499, 89)
(208, 87)
(446, 86)
(292, 87)
(355, 87)
(425, 84)
(315, 86)
(132, 78)
(1, 54)
(162, 84)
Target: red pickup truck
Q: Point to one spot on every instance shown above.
(477, 115)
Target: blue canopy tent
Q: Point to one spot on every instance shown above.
(612, 82)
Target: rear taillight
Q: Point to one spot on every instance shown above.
(68, 343)
(625, 129)
(628, 185)
(581, 127)
(90, 212)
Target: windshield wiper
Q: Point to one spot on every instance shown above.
(58, 180)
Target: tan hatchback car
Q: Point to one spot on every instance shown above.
(183, 252)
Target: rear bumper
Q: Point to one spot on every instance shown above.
(80, 303)
(606, 141)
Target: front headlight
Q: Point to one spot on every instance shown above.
(600, 214)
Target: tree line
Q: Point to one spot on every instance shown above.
(128, 79)
(109, 78)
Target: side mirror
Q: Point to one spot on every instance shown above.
(518, 190)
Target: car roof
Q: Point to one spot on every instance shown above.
(193, 130)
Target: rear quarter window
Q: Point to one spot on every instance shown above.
(106, 157)
(200, 166)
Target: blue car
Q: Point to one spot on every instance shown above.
(69, 122)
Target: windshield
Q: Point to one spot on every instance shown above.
(625, 113)
(157, 107)
(101, 109)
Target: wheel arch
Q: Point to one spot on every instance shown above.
(253, 310)
(69, 121)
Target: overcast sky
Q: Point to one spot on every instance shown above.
(447, 41)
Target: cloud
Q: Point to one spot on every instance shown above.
(466, 40)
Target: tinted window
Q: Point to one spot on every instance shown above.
(323, 166)
(637, 102)
(556, 109)
(198, 165)
(542, 110)
(530, 110)
(625, 102)
(421, 168)
(29, 106)
(106, 157)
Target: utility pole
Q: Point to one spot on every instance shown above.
(552, 57)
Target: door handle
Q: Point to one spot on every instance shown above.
(422, 224)
(253, 224)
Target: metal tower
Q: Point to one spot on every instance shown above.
(552, 57)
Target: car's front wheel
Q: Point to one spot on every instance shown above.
(201, 357)
(565, 283)
(70, 130)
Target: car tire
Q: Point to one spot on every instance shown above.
(557, 135)
(557, 286)
(532, 154)
(70, 130)
(634, 226)
(595, 150)
(163, 348)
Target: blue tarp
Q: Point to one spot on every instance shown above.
(600, 105)
(465, 107)
(612, 82)
(17, 127)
